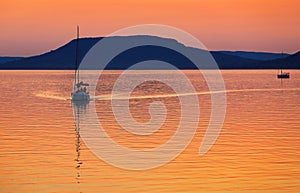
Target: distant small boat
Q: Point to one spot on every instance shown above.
(283, 75)
(80, 92)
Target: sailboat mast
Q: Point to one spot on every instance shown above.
(77, 54)
(281, 62)
(76, 60)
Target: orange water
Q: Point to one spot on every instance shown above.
(258, 149)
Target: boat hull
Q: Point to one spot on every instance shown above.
(80, 96)
(284, 76)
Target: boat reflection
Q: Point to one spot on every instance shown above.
(78, 108)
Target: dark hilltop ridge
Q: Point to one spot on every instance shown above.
(63, 58)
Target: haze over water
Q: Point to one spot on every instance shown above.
(257, 150)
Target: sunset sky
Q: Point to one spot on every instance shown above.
(30, 27)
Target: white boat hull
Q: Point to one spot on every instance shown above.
(80, 96)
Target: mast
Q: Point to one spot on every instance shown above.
(76, 60)
(281, 62)
(77, 54)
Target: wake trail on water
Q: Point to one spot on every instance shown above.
(122, 97)
(51, 96)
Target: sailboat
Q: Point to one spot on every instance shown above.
(283, 75)
(80, 91)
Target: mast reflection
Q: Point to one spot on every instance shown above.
(79, 107)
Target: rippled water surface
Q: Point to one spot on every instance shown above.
(258, 149)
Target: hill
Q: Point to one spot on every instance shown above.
(4, 59)
(256, 55)
(64, 57)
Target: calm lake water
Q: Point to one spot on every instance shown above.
(258, 149)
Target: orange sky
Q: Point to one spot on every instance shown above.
(29, 27)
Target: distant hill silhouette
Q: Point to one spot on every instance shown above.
(61, 58)
(290, 62)
(64, 57)
(4, 59)
(256, 55)
(226, 61)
